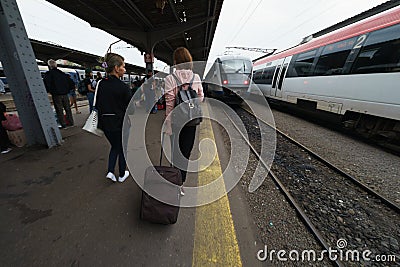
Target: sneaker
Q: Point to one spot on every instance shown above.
(182, 191)
(122, 179)
(6, 151)
(111, 176)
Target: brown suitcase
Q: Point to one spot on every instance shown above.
(166, 188)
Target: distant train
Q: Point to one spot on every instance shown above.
(76, 74)
(4, 79)
(353, 72)
(229, 78)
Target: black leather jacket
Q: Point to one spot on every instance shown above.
(56, 82)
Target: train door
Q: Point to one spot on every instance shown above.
(279, 76)
(276, 77)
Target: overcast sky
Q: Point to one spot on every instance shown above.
(249, 23)
(279, 24)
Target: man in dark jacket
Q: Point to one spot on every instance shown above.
(58, 85)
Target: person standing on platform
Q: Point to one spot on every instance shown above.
(4, 140)
(88, 83)
(98, 78)
(149, 92)
(72, 95)
(57, 84)
(183, 63)
(113, 97)
(2, 87)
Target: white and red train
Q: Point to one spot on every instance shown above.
(353, 72)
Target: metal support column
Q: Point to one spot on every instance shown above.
(24, 78)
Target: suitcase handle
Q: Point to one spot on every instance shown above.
(172, 150)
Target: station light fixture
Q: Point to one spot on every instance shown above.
(160, 4)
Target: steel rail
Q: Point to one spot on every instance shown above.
(333, 167)
(287, 195)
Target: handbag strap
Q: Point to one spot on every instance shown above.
(95, 93)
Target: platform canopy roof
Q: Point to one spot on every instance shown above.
(44, 51)
(159, 24)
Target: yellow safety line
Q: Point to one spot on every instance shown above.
(215, 242)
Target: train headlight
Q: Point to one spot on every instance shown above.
(225, 81)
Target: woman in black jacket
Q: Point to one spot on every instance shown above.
(112, 100)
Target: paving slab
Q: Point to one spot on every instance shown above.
(57, 208)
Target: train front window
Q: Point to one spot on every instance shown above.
(380, 53)
(236, 66)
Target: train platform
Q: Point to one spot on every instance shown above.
(59, 209)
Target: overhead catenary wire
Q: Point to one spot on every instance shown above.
(259, 49)
(57, 9)
(304, 22)
(43, 27)
(305, 10)
(38, 27)
(243, 16)
(251, 14)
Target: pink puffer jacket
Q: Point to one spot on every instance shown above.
(171, 89)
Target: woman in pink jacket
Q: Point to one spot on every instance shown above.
(183, 61)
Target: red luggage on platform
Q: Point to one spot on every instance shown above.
(160, 106)
(67, 122)
(12, 123)
(153, 210)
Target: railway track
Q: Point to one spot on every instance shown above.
(331, 203)
(334, 167)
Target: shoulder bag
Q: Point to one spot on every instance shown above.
(93, 119)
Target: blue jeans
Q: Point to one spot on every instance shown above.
(116, 151)
(90, 97)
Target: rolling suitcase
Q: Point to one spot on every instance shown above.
(152, 209)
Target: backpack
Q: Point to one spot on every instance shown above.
(82, 87)
(188, 104)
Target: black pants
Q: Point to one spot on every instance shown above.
(186, 142)
(116, 151)
(62, 102)
(4, 141)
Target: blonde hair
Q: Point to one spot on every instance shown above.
(183, 58)
(113, 60)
